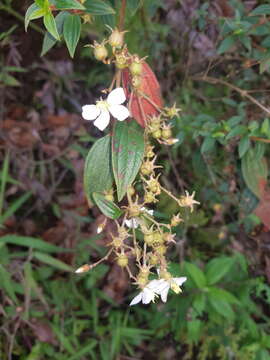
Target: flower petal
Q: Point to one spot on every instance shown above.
(131, 223)
(179, 281)
(90, 112)
(120, 112)
(164, 292)
(136, 300)
(116, 97)
(103, 120)
(147, 296)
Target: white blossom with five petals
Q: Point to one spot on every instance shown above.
(133, 222)
(101, 111)
(148, 293)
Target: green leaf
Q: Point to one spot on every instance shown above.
(196, 274)
(221, 306)
(98, 174)
(15, 206)
(40, 3)
(72, 32)
(50, 25)
(194, 328)
(208, 144)
(49, 260)
(33, 12)
(7, 284)
(243, 146)
(263, 9)
(68, 5)
(49, 41)
(127, 154)
(107, 207)
(98, 7)
(199, 303)
(254, 170)
(30, 242)
(226, 44)
(237, 130)
(217, 268)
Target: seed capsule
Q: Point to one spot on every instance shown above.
(100, 51)
(136, 67)
(122, 260)
(116, 38)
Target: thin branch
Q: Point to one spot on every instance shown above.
(244, 93)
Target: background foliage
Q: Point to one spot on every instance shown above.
(212, 58)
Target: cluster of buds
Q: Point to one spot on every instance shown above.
(140, 242)
(159, 128)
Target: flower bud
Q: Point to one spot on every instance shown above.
(161, 250)
(154, 259)
(122, 260)
(166, 132)
(157, 134)
(147, 168)
(136, 67)
(134, 210)
(164, 274)
(142, 281)
(149, 198)
(149, 153)
(158, 239)
(116, 38)
(100, 51)
(148, 239)
(176, 220)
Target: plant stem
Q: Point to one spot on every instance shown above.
(20, 17)
(122, 15)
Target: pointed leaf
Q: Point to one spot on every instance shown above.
(127, 154)
(33, 12)
(49, 41)
(196, 274)
(98, 174)
(107, 207)
(49, 260)
(217, 268)
(72, 32)
(50, 25)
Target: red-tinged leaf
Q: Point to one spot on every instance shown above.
(140, 107)
(263, 209)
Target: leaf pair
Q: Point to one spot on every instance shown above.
(115, 158)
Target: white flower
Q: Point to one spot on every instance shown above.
(133, 222)
(165, 285)
(148, 293)
(103, 108)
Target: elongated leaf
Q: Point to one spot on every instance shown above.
(98, 174)
(263, 9)
(68, 5)
(243, 146)
(196, 274)
(7, 284)
(254, 170)
(222, 307)
(226, 44)
(49, 41)
(72, 32)
(98, 7)
(127, 154)
(33, 12)
(217, 268)
(108, 208)
(50, 25)
(30, 242)
(49, 260)
(15, 206)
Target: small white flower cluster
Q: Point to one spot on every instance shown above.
(158, 287)
(104, 108)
